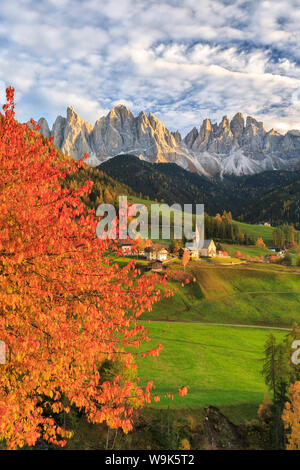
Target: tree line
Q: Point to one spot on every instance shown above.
(281, 371)
(222, 228)
(285, 236)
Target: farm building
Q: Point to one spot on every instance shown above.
(128, 248)
(156, 254)
(156, 266)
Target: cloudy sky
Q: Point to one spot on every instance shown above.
(183, 60)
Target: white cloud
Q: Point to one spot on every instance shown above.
(183, 60)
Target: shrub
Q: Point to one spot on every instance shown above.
(287, 260)
(274, 259)
(264, 411)
(185, 445)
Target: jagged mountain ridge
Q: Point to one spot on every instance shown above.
(233, 147)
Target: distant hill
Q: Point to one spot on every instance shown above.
(104, 190)
(278, 206)
(168, 182)
(251, 187)
(270, 196)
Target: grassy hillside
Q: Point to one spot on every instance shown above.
(257, 231)
(246, 250)
(239, 294)
(220, 364)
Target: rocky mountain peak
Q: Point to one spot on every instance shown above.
(177, 137)
(237, 125)
(273, 132)
(154, 121)
(233, 147)
(120, 112)
(225, 123)
(205, 130)
(42, 122)
(250, 121)
(71, 114)
(191, 137)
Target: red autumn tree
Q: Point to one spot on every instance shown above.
(238, 254)
(66, 307)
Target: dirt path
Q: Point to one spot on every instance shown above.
(222, 324)
(252, 293)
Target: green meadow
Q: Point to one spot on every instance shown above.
(246, 250)
(205, 344)
(221, 365)
(257, 231)
(266, 295)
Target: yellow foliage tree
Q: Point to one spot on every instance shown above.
(260, 243)
(291, 417)
(185, 258)
(185, 445)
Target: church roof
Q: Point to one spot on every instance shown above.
(206, 244)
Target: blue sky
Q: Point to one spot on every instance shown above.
(182, 60)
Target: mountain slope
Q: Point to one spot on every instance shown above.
(279, 206)
(167, 182)
(249, 198)
(238, 147)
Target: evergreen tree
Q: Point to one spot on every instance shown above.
(276, 373)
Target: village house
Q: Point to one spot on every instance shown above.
(208, 250)
(162, 255)
(156, 254)
(128, 249)
(155, 266)
(194, 254)
(142, 244)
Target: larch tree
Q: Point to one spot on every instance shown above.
(291, 418)
(66, 306)
(260, 243)
(185, 258)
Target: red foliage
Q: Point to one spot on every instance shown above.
(66, 307)
(183, 391)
